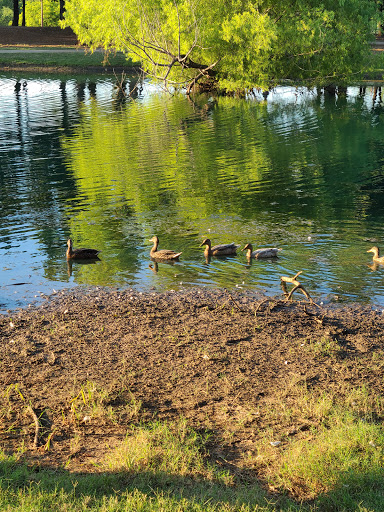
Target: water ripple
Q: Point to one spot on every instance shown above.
(301, 171)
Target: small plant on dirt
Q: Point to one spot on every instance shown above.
(12, 408)
(48, 444)
(94, 402)
(75, 444)
(325, 347)
(132, 408)
(89, 402)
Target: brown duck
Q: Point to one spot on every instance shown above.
(162, 254)
(376, 255)
(80, 254)
(218, 250)
(268, 252)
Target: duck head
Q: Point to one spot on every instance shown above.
(247, 247)
(206, 241)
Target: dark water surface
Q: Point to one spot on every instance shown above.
(302, 170)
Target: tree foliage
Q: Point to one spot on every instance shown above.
(244, 43)
(6, 12)
(33, 13)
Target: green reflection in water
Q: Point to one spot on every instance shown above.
(294, 173)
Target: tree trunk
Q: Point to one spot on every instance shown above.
(62, 9)
(23, 19)
(15, 21)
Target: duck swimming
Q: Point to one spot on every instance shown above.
(218, 250)
(80, 254)
(163, 254)
(376, 255)
(268, 252)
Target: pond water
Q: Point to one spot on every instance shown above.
(301, 170)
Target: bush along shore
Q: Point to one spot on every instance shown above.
(194, 400)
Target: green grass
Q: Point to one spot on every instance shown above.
(71, 59)
(155, 469)
(82, 60)
(165, 467)
(336, 463)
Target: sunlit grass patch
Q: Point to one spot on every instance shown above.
(335, 463)
(326, 447)
(168, 449)
(325, 347)
(164, 467)
(155, 488)
(296, 400)
(335, 455)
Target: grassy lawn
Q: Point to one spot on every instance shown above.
(79, 58)
(51, 57)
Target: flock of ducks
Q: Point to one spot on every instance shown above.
(169, 255)
(217, 250)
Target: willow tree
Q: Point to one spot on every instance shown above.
(242, 43)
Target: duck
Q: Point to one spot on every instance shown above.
(376, 254)
(163, 254)
(80, 254)
(218, 250)
(268, 252)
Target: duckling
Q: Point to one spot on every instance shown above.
(163, 254)
(268, 252)
(218, 250)
(376, 254)
(80, 254)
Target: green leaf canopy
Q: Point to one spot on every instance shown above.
(242, 43)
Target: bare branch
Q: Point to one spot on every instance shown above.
(296, 286)
(200, 75)
(178, 25)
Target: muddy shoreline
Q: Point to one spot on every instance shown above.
(221, 360)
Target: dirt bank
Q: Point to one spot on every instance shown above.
(220, 360)
(37, 36)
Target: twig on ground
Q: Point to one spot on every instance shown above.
(233, 300)
(264, 301)
(319, 320)
(37, 426)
